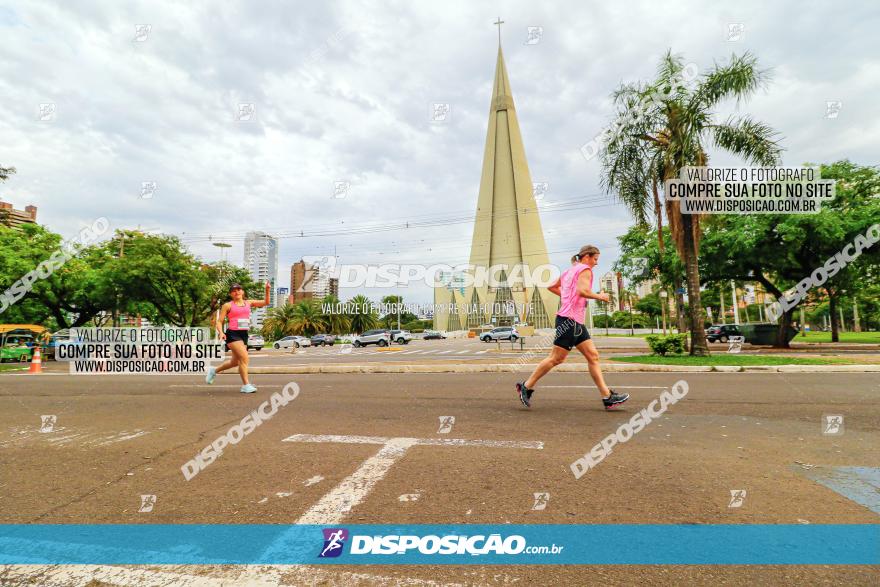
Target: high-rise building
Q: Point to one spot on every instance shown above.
(261, 261)
(646, 288)
(309, 281)
(507, 233)
(11, 217)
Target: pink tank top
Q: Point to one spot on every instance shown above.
(239, 316)
(572, 305)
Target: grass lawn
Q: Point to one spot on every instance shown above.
(13, 366)
(728, 359)
(601, 332)
(853, 337)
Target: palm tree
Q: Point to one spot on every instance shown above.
(308, 318)
(674, 126)
(337, 323)
(280, 321)
(362, 317)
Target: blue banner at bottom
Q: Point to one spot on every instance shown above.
(467, 544)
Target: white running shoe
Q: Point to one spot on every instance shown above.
(212, 373)
(249, 388)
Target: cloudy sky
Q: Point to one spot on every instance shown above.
(343, 92)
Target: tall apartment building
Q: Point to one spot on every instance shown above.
(308, 281)
(11, 217)
(261, 261)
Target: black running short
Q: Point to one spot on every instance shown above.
(233, 335)
(569, 333)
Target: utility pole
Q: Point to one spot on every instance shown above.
(803, 326)
(721, 298)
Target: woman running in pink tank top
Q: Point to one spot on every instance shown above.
(238, 313)
(574, 287)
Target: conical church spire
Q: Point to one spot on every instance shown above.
(507, 228)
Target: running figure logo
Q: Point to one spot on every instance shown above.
(541, 500)
(47, 423)
(334, 541)
(832, 424)
(147, 503)
(446, 423)
(737, 498)
(736, 344)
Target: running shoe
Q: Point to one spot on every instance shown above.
(524, 393)
(209, 377)
(249, 388)
(614, 400)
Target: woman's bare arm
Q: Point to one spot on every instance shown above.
(263, 302)
(583, 287)
(224, 309)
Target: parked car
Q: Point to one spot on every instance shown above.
(722, 332)
(292, 341)
(401, 336)
(255, 342)
(429, 334)
(323, 339)
(17, 346)
(378, 337)
(501, 333)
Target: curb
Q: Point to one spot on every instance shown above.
(571, 368)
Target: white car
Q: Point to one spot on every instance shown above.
(292, 341)
(380, 337)
(401, 336)
(502, 333)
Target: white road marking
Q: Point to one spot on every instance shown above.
(123, 436)
(462, 352)
(206, 385)
(594, 387)
(444, 352)
(179, 576)
(333, 507)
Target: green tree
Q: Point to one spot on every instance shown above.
(362, 317)
(158, 270)
(390, 320)
(780, 250)
(308, 318)
(71, 296)
(280, 322)
(337, 322)
(663, 126)
(649, 305)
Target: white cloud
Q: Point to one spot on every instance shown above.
(342, 92)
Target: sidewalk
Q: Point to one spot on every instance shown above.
(564, 368)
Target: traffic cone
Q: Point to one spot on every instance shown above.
(36, 362)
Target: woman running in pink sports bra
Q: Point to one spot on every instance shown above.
(238, 313)
(574, 287)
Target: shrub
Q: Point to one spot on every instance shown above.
(664, 345)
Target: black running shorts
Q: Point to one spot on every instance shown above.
(234, 335)
(569, 333)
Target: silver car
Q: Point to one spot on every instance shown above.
(502, 333)
(379, 337)
(292, 341)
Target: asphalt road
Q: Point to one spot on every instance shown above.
(115, 438)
